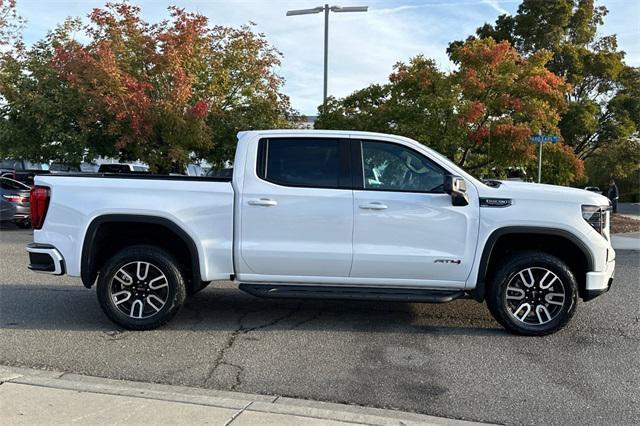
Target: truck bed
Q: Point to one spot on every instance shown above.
(200, 206)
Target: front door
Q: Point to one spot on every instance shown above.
(406, 231)
(297, 210)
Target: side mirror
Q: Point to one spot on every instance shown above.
(455, 186)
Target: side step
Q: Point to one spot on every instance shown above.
(285, 291)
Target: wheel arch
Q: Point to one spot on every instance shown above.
(93, 247)
(579, 255)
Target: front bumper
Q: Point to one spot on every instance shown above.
(45, 258)
(599, 282)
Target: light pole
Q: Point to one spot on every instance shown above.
(326, 9)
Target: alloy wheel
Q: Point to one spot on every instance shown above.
(139, 290)
(535, 296)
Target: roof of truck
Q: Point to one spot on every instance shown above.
(308, 132)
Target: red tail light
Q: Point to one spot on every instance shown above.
(39, 205)
(15, 198)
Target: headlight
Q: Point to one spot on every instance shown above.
(597, 217)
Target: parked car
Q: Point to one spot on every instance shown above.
(7, 210)
(327, 214)
(58, 167)
(22, 170)
(593, 189)
(15, 198)
(122, 168)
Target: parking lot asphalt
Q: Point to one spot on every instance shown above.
(450, 360)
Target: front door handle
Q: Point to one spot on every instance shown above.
(265, 202)
(375, 205)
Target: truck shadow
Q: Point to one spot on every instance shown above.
(50, 307)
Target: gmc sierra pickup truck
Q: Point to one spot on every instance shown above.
(326, 214)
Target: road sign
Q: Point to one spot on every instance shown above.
(540, 138)
(544, 138)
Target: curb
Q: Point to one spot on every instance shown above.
(242, 402)
(626, 241)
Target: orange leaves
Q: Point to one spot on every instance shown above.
(515, 132)
(200, 109)
(476, 110)
(540, 84)
(485, 52)
(478, 135)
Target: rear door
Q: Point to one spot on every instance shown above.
(297, 210)
(405, 229)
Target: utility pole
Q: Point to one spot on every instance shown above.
(326, 9)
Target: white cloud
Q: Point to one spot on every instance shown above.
(496, 6)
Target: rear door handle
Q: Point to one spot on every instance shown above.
(265, 202)
(375, 205)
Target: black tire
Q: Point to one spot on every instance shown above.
(173, 293)
(24, 225)
(533, 265)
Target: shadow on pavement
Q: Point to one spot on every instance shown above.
(228, 309)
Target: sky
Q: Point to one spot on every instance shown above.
(363, 47)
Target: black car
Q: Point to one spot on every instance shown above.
(15, 205)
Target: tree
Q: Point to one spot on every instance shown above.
(480, 116)
(592, 65)
(165, 93)
(418, 101)
(40, 112)
(10, 24)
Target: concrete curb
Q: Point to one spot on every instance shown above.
(627, 241)
(242, 402)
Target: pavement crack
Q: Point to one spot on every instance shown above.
(114, 335)
(313, 317)
(242, 330)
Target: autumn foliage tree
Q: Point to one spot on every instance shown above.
(601, 119)
(480, 115)
(166, 93)
(162, 89)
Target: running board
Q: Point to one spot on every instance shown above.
(283, 291)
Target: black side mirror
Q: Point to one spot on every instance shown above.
(455, 186)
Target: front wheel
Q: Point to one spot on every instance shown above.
(141, 288)
(533, 293)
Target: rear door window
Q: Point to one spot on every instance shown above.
(306, 162)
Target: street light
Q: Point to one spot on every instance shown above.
(326, 8)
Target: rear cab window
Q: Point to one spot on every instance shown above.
(304, 162)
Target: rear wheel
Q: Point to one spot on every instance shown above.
(533, 293)
(141, 288)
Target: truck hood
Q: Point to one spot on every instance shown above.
(542, 192)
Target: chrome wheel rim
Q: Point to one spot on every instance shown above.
(139, 290)
(535, 296)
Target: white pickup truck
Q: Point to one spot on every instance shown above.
(326, 214)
